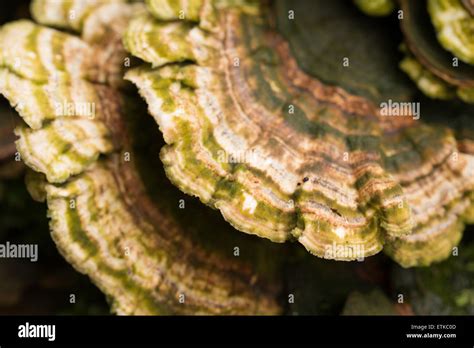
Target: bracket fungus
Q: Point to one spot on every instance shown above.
(438, 47)
(281, 154)
(248, 128)
(441, 53)
(376, 7)
(454, 25)
(81, 138)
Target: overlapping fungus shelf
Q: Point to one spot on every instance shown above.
(248, 129)
(284, 156)
(439, 50)
(80, 134)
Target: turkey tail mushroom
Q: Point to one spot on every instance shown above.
(283, 155)
(79, 135)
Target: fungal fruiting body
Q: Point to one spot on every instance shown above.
(438, 47)
(284, 156)
(249, 132)
(375, 7)
(83, 139)
(454, 26)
